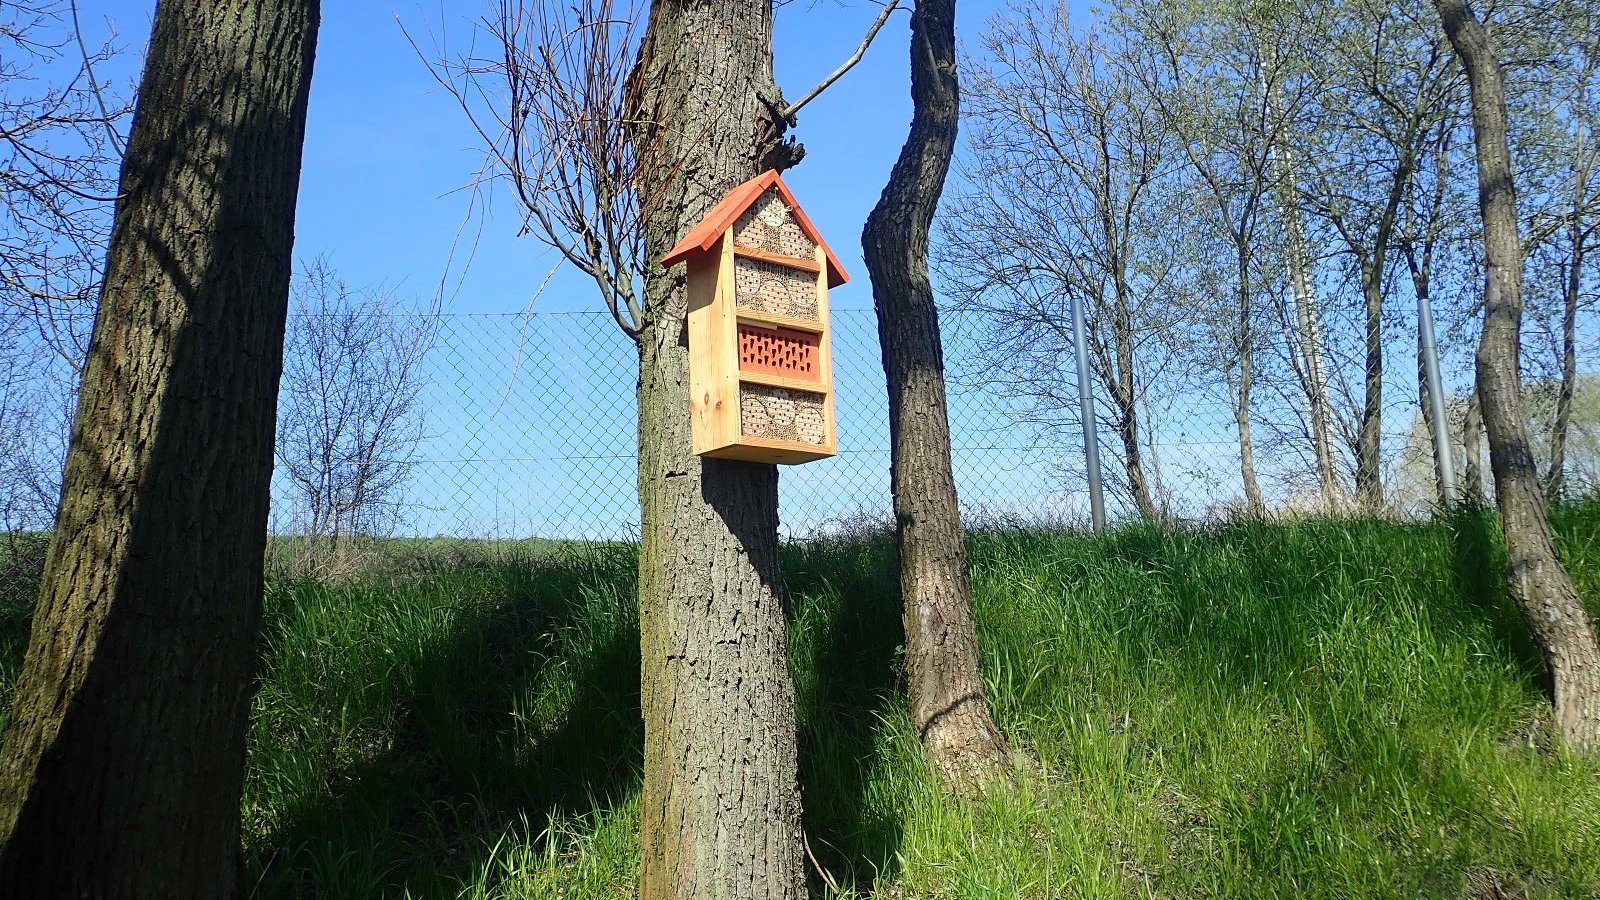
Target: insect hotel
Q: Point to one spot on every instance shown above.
(760, 370)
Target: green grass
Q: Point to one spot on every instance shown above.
(1311, 710)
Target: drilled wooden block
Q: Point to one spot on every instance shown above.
(780, 414)
(779, 351)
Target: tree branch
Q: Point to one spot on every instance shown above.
(788, 112)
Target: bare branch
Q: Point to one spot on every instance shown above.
(88, 70)
(550, 104)
(789, 111)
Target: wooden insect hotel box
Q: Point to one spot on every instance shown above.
(760, 370)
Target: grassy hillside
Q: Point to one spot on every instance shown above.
(1314, 710)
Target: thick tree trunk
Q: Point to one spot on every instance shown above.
(1537, 581)
(721, 802)
(947, 702)
(124, 757)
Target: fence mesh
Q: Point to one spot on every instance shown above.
(528, 424)
(526, 427)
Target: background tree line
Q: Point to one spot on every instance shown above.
(1253, 199)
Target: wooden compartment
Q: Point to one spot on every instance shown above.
(760, 371)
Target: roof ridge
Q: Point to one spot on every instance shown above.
(710, 229)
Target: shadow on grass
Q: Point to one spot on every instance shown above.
(529, 706)
(847, 630)
(1480, 579)
(1295, 569)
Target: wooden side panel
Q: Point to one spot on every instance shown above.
(713, 349)
(831, 442)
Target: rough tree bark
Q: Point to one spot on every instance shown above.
(124, 757)
(1536, 578)
(721, 801)
(947, 702)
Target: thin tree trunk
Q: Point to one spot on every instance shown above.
(1307, 318)
(1472, 449)
(1241, 410)
(1421, 284)
(720, 812)
(1429, 427)
(1536, 578)
(1369, 440)
(1373, 260)
(124, 757)
(1127, 425)
(947, 702)
(1418, 252)
(1125, 400)
(1570, 289)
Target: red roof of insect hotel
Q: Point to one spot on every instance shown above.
(705, 235)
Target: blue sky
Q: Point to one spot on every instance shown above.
(387, 151)
(388, 155)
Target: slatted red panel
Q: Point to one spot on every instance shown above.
(779, 351)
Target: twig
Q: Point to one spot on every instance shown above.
(832, 885)
(791, 109)
(88, 69)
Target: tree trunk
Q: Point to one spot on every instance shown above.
(1127, 425)
(1537, 581)
(1472, 449)
(1241, 409)
(1421, 283)
(1309, 331)
(947, 702)
(1570, 291)
(1369, 440)
(1429, 426)
(124, 758)
(720, 813)
(1120, 384)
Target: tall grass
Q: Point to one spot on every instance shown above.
(1321, 709)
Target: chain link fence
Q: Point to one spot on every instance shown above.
(524, 426)
(528, 429)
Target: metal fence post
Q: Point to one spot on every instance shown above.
(1091, 444)
(1441, 425)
